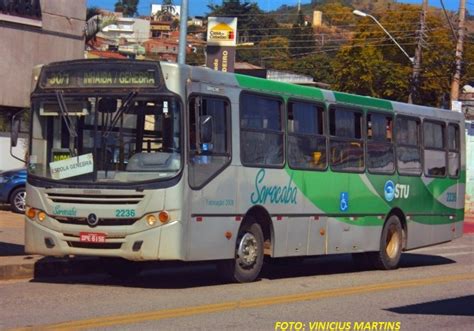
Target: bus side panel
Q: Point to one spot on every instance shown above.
(346, 238)
(317, 235)
(297, 236)
(418, 235)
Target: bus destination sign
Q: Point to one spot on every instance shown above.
(99, 78)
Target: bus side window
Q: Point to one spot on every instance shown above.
(434, 148)
(346, 144)
(380, 150)
(407, 134)
(453, 150)
(306, 140)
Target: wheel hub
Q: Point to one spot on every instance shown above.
(393, 243)
(247, 250)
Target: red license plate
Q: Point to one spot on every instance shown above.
(92, 237)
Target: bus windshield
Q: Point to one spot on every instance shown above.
(105, 139)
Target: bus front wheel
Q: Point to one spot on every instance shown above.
(248, 261)
(391, 245)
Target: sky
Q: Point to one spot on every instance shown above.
(199, 7)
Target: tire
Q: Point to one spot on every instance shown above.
(248, 261)
(17, 200)
(120, 268)
(391, 245)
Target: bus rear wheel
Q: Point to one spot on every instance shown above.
(391, 245)
(248, 261)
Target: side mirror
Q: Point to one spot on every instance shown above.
(16, 122)
(205, 129)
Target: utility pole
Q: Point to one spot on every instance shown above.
(183, 32)
(413, 96)
(459, 50)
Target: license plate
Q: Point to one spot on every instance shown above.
(92, 237)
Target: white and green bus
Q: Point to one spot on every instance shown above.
(158, 161)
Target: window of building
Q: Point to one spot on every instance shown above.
(346, 144)
(207, 159)
(434, 149)
(453, 150)
(261, 133)
(306, 140)
(21, 8)
(380, 150)
(407, 131)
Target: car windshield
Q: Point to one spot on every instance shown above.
(124, 139)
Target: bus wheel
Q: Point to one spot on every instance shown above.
(248, 261)
(388, 257)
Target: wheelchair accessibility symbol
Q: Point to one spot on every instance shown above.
(344, 201)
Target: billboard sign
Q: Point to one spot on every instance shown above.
(222, 31)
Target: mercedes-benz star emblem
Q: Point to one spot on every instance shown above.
(92, 220)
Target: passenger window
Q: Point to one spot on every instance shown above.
(453, 150)
(346, 144)
(380, 151)
(407, 131)
(208, 157)
(261, 133)
(306, 140)
(435, 152)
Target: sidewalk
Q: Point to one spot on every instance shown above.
(15, 263)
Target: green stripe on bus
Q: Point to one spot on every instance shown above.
(274, 86)
(362, 101)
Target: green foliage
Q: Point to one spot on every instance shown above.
(301, 37)
(129, 8)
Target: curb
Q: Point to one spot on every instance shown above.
(20, 267)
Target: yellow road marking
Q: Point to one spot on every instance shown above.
(247, 303)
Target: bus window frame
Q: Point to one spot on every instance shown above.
(363, 140)
(419, 145)
(392, 116)
(323, 135)
(444, 149)
(283, 131)
(458, 141)
(188, 136)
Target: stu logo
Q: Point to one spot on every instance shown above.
(276, 194)
(396, 191)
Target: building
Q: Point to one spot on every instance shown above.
(38, 32)
(173, 10)
(47, 31)
(128, 29)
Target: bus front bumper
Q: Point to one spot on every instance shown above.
(138, 246)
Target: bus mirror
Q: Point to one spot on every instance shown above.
(15, 131)
(107, 105)
(206, 129)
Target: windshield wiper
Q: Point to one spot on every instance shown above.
(67, 119)
(123, 108)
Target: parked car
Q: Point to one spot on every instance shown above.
(12, 189)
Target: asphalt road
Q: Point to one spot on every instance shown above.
(433, 290)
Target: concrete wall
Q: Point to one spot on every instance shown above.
(7, 162)
(25, 43)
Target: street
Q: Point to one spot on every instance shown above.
(433, 290)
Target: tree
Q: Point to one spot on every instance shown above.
(371, 64)
(302, 40)
(129, 8)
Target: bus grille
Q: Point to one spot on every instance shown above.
(102, 221)
(95, 199)
(77, 244)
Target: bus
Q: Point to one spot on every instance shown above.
(142, 161)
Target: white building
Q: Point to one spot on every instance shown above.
(133, 30)
(175, 11)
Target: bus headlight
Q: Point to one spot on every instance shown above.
(151, 220)
(41, 216)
